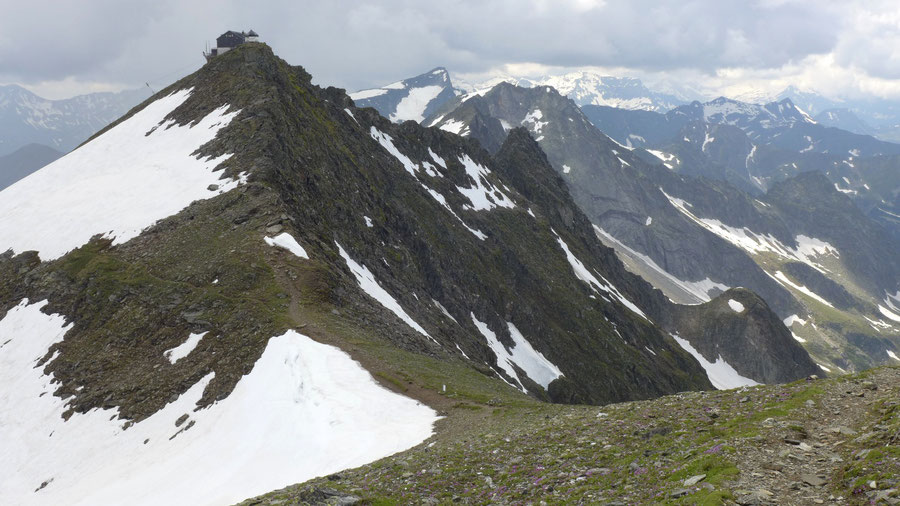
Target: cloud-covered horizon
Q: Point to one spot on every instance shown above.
(839, 47)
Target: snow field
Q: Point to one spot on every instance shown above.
(306, 409)
(413, 105)
(138, 172)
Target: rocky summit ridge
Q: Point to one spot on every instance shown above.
(458, 277)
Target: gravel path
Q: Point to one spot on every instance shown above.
(800, 460)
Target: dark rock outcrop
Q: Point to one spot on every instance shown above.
(753, 340)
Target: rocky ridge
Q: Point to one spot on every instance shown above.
(318, 169)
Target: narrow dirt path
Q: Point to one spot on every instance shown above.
(796, 460)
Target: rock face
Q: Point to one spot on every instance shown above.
(747, 335)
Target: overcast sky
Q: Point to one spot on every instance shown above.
(841, 48)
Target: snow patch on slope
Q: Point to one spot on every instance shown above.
(784, 280)
(444, 310)
(367, 282)
(666, 158)
(888, 313)
(437, 159)
(305, 409)
(735, 306)
(533, 362)
(522, 355)
(582, 273)
(720, 372)
(138, 172)
(706, 141)
(286, 241)
(184, 349)
(790, 320)
(808, 249)
(483, 196)
(413, 168)
(455, 127)
(533, 121)
(388, 144)
(698, 289)
(413, 105)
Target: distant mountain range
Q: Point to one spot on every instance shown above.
(24, 161)
(26, 118)
(419, 97)
(869, 116)
(713, 163)
(591, 88)
(424, 94)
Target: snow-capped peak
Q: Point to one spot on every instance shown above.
(410, 99)
(586, 87)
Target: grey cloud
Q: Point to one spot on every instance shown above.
(52, 40)
(396, 38)
(355, 44)
(871, 41)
